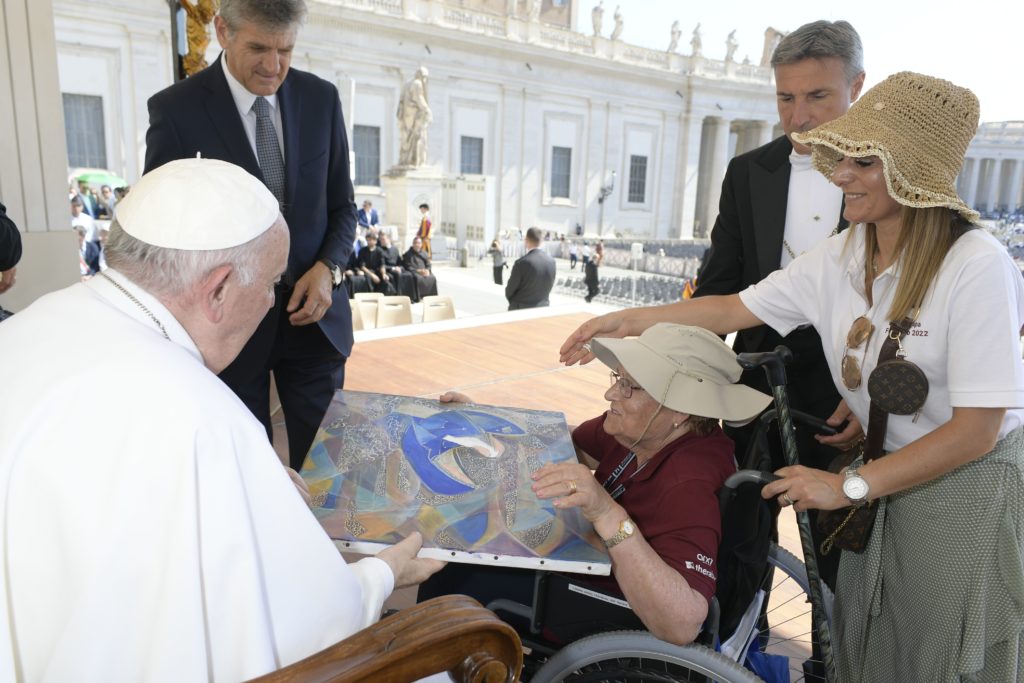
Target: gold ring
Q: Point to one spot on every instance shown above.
(572, 486)
(787, 499)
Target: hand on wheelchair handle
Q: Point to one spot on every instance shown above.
(806, 488)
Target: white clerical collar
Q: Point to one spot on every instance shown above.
(103, 287)
(799, 162)
(243, 98)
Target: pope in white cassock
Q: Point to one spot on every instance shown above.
(148, 530)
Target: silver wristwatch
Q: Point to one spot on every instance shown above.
(855, 487)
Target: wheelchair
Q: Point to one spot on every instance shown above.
(762, 605)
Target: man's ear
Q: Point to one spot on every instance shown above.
(222, 31)
(213, 290)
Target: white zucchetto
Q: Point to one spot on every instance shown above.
(197, 205)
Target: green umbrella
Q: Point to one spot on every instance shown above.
(99, 177)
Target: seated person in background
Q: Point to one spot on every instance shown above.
(192, 558)
(400, 279)
(653, 498)
(417, 262)
(371, 264)
(355, 280)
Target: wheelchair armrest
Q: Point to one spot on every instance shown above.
(511, 607)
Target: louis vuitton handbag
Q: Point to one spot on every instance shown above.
(895, 386)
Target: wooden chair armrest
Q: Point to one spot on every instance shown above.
(452, 633)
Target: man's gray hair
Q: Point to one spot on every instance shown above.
(820, 40)
(271, 15)
(534, 236)
(168, 273)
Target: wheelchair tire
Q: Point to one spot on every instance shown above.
(785, 627)
(780, 558)
(638, 656)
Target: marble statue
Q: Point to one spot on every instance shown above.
(730, 46)
(695, 42)
(597, 17)
(617, 31)
(414, 117)
(533, 9)
(772, 38)
(676, 32)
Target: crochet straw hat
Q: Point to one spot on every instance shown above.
(684, 368)
(917, 125)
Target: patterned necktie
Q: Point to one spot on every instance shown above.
(268, 152)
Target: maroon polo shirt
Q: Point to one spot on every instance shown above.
(673, 500)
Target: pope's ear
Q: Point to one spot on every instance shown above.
(213, 292)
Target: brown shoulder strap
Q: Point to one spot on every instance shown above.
(878, 419)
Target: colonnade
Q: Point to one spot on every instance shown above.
(721, 140)
(992, 179)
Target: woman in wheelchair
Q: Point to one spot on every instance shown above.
(660, 458)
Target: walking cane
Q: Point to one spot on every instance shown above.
(774, 364)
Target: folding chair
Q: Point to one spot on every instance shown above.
(394, 310)
(438, 308)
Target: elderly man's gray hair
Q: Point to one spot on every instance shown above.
(820, 40)
(272, 15)
(167, 273)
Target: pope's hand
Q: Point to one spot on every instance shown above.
(408, 569)
(300, 485)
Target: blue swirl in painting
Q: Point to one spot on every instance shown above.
(429, 438)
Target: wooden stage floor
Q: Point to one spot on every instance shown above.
(506, 363)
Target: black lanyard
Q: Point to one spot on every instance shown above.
(616, 473)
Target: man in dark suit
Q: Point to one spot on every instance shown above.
(367, 216)
(533, 275)
(774, 206)
(285, 127)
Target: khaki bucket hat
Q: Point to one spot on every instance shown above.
(684, 368)
(919, 126)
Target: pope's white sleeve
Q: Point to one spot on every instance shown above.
(377, 582)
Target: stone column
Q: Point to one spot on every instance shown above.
(764, 132)
(1014, 198)
(687, 168)
(965, 180)
(719, 160)
(33, 155)
(994, 181)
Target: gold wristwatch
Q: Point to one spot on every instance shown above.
(626, 529)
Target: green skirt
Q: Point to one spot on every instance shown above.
(938, 595)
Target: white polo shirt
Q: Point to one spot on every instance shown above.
(966, 338)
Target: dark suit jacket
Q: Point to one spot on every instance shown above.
(10, 241)
(199, 115)
(746, 246)
(91, 256)
(368, 220)
(531, 281)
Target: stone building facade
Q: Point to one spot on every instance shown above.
(549, 114)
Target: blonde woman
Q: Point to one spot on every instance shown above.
(938, 595)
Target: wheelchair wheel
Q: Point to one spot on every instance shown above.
(785, 627)
(638, 656)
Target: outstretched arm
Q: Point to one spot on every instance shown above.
(720, 314)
